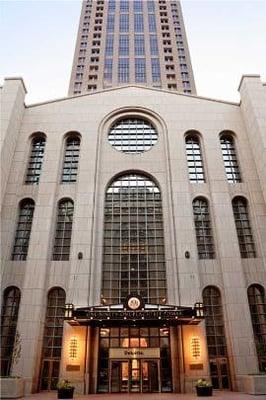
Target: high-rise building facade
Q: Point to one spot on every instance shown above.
(133, 224)
(123, 42)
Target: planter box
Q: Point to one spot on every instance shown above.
(65, 393)
(204, 391)
(255, 384)
(12, 388)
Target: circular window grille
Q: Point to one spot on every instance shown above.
(132, 135)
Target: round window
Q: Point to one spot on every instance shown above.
(132, 135)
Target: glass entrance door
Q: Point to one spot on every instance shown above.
(150, 376)
(134, 376)
(219, 373)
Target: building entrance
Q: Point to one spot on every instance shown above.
(134, 376)
(134, 359)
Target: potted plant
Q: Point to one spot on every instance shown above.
(203, 388)
(64, 389)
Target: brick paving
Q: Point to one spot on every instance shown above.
(149, 396)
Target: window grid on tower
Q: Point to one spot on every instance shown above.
(137, 6)
(152, 22)
(109, 45)
(154, 45)
(63, 232)
(124, 23)
(23, 231)
(123, 45)
(124, 5)
(194, 159)
(151, 6)
(110, 23)
(35, 161)
(139, 45)
(155, 70)
(133, 253)
(123, 70)
(138, 23)
(140, 70)
(203, 229)
(230, 158)
(243, 227)
(71, 159)
(108, 69)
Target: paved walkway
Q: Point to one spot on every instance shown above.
(150, 396)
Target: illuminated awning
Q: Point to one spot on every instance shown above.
(134, 312)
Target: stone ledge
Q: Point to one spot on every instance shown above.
(254, 384)
(12, 388)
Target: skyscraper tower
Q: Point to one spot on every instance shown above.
(122, 42)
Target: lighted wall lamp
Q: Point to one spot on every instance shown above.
(73, 348)
(195, 347)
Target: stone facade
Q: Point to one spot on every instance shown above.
(172, 114)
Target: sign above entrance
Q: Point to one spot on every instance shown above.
(134, 302)
(140, 352)
(134, 312)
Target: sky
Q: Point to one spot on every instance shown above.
(226, 39)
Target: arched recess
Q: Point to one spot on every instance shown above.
(71, 157)
(9, 318)
(35, 161)
(63, 230)
(23, 229)
(196, 172)
(230, 159)
(133, 250)
(52, 338)
(216, 338)
(243, 227)
(257, 306)
(203, 228)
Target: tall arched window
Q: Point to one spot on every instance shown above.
(9, 318)
(194, 159)
(203, 228)
(230, 157)
(22, 237)
(257, 305)
(133, 259)
(63, 232)
(243, 227)
(71, 159)
(35, 160)
(52, 339)
(216, 339)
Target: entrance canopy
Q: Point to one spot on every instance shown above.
(134, 312)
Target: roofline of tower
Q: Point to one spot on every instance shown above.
(132, 86)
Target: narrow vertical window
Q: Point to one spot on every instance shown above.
(9, 318)
(23, 231)
(194, 159)
(230, 158)
(123, 70)
(35, 161)
(243, 227)
(52, 339)
(216, 339)
(108, 69)
(257, 305)
(63, 231)
(155, 70)
(71, 159)
(140, 70)
(203, 229)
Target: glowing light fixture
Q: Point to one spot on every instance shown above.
(195, 347)
(73, 348)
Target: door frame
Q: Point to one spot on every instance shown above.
(129, 361)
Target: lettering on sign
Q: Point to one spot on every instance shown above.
(70, 367)
(196, 366)
(135, 353)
